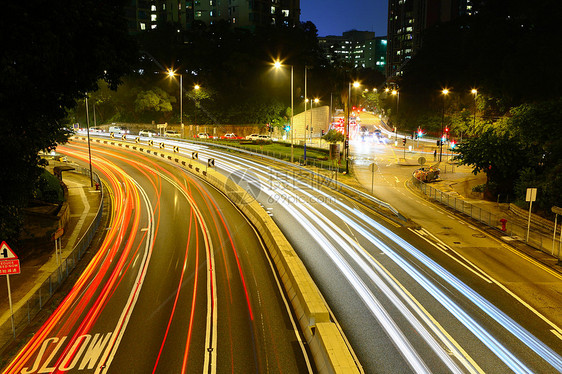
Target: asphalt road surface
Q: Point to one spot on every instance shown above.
(181, 284)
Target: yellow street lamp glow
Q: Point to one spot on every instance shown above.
(316, 100)
(171, 73)
(356, 84)
(474, 91)
(197, 87)
(386, 89)
(445, 91)
(374, 90)
(277, 64)
(394, 92)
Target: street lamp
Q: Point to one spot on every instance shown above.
(355, 85)
(316, 101)
(396, 93)
(474, 91)
(196, 87)
(445, 92)
(277, 64)
(171, 74)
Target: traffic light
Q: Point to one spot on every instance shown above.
(404, 141)
(453, 143)
(323, 133)
(287, 128)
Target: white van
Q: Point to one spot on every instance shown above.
(118, 130)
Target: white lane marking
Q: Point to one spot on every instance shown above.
(422, 233)
(123, 321)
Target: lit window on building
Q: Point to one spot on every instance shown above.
(233, 19)
(152, 27)
(163, 6)
(198, 13)
(153, 8)
(211, 2)
(142, 26)
(272, 10)
(285, 12)
(153, 17)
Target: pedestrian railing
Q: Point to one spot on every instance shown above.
(513, 230)
(25, 314)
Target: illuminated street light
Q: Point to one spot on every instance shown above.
(474, 91)
(355, 85)
(445, 92)
(396, 93)
(171, 74)
(277, 65)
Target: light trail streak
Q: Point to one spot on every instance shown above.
(540, 348)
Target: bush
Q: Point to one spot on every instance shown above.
(48, 189)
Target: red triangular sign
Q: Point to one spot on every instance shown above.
(6, 252)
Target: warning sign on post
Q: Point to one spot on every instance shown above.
(9, 262)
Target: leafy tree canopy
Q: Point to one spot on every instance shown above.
(53, 52)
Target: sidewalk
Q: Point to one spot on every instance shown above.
(454, 188)
(41, 263)
(540, 245)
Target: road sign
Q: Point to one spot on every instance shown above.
(211, 162)
(57, 234)
(9, 262)
(6, 252)
(531, 194)
(8, 267)
(421, 160)
(194, 155)
(373, 167)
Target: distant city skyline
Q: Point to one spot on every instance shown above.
(334, 17)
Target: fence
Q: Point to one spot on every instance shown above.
(24, 315)
(537, 238)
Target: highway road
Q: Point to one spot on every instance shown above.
(406, 302)
(182, 283)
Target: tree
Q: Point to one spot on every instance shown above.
(500, 156)
(155, 100)
(334, 136)
(53, 53)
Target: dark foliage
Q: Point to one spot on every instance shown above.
(53, 52)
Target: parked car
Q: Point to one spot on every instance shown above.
(266, 138)
(203, 135)
(118, 130)
(148, 133)
(172, 133)
(230, 136)
(252, 137)
(96, 129)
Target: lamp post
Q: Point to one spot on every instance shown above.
(396, 93)
(445, 92)
(355, 84)
(171, 74)
(474, 91)
(316, 101)
(277, 65)
(196, 87)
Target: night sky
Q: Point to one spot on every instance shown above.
(333, 17)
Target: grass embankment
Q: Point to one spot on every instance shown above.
(314, 156)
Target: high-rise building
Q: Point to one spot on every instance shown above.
(147, 14)
(407, 19)
(360, 49)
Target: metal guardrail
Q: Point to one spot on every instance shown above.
(24, 315)
(513, 230)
